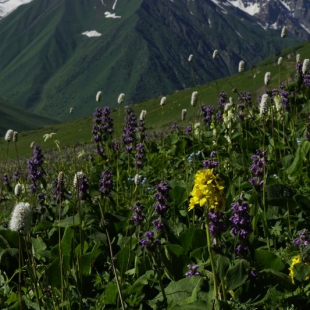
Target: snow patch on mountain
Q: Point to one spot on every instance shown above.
(303, 26)
(113, 8)
(92, 33)
(111, 15)
(286, 5)
(250, 8)
(8, 6)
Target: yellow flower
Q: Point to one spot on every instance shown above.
(296, 260)
(208, 191)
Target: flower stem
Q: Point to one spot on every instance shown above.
(211, 259)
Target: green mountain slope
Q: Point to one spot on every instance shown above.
(47, 66)
(20, 120)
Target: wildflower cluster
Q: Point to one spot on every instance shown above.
(258, 169)
(303, 240)
(149, 242)
(138, 216)
(208, 191)
(192, 271)
(35, 167)
(241, 225)
(207, 113)
(106, 182)
(161, 198)
(210, 163)
(129, 131)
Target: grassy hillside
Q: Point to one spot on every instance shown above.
(20, 120)
(79, 131)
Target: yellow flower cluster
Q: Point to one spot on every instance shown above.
(296, 260)
(208, 191)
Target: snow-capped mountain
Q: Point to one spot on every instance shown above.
(8, 6)
(294, 14)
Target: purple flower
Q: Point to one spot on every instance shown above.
(137, 216)
(106, 183)
(216, 223)
(303, 240)
(35, 166)
(129, 131)
(149, 243)
(158, 225)
(192, 271)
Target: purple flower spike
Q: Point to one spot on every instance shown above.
(192, 271)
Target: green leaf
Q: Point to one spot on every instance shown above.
(110, 294)
(193, 238)
(69, 221)
(237, 274)
(44, 225)
(88, 258)
(267, 260)
(301, 272)
(197, 305)
(222, 263)
(39, 248)
(124, 259)
(296, 167)
(53, 273)
(140, 283)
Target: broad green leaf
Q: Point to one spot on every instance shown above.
(296, 167)
(44, 225)
(39, 248)
(124, 259)
(110, 294)
(88, 258)
(237, 274)
(222, 263)
(193, 238)
(301, 272)
(140, 283)
(53, 273)
(69, 221)
(267, 260)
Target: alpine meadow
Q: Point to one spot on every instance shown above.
(171, 173)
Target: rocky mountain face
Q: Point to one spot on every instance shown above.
(57, 54)
(294, 14)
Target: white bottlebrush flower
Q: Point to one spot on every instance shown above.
(183, 114)
(48, 136)
(194, 98)
(263, 107)
(283, 32)
(137, 179)
(9, 135)
(71, 110)
(277, 102)
(241, 66)
(15, 136)
(21, 217)
(191, 57)
(280, 60)
(305, 66)
(297, 57)
(98, 96)
(32, 144)
(267, 78)
(228, 106)
(18, 189)
(215, 54)
(142, 115)
(196, 129)
(120, 98)
(78, 179)
(163, 101)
